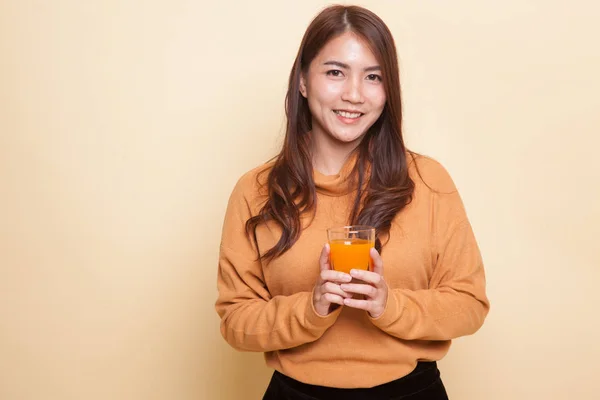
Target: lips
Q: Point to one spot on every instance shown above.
(348, 114)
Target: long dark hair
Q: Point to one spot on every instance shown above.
(388, 188)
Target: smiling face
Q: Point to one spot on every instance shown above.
(344, 89)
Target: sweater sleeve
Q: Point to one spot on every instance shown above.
(251, 318)
(455, 304)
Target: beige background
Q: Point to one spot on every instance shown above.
(125, 124)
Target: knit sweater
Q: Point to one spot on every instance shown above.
(432, 266)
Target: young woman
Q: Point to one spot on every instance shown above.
(373, 334)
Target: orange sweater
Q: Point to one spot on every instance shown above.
(432, 266)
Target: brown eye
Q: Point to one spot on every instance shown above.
(334, 72)
(374, 77)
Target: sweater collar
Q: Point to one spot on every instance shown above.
(338, 184)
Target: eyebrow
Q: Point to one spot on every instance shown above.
(346, 66)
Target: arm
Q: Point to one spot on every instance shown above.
(454, 305)
(252, 319)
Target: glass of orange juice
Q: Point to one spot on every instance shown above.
(350, 247)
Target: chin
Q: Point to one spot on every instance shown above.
(349, 138)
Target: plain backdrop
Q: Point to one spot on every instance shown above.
(125, 124)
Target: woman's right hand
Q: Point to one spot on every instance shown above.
(327, 294)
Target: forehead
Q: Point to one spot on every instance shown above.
(348, 48)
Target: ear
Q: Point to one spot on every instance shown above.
(303, 85)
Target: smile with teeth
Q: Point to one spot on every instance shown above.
(345, 114)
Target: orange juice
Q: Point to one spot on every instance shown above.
(347, 254)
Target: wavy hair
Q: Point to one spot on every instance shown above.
(383, 184)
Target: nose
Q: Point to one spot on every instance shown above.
(353, 91)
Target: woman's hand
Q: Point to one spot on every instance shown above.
(374, 288)
(327, 294)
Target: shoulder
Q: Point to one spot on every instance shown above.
(428, 172)
(251, 187)
(252, 180)
(433, 181)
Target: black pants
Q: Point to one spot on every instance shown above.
(424, 383)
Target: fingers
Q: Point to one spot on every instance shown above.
(330, 287)
(324, 258)
(360, 304)
(377, 262)
(335, 276)
(372, 286)
(357, 288)
(334, 298)
(374, 310)
(367, 276)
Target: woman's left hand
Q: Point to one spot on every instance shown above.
(374, 288)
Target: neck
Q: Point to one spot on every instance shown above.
(329, 155)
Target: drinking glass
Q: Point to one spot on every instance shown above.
(350, 247)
